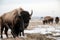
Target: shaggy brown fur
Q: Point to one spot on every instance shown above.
(17, 18)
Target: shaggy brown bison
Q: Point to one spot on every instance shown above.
(57, 20)
(48, 19)
(17, 20)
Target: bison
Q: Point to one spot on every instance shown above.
(57, 20)
(17, 20)
(48, 19)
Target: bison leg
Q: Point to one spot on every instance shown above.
(20, 33)
(52, 22)
(57, 22)
(23, 33)
(2, 28)
(43, 22)
(12, 32)
(6, 30)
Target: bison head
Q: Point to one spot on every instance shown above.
(26, 17)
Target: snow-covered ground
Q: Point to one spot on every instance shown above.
(43, 29)
(46, 29)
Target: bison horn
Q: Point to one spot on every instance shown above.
(31, 12)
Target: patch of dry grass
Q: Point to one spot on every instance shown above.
(32, 37)
(38, 37)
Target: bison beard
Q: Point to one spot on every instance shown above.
(18, 26)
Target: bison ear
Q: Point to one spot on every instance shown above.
(31, 12)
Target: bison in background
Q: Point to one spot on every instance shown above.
(57, 20)
(47, 20)
(17, 20)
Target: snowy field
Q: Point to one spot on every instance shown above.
(51, 31)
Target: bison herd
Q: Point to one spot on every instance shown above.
(48, 20)
(17, 20)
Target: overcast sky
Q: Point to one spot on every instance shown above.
(39, 7)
